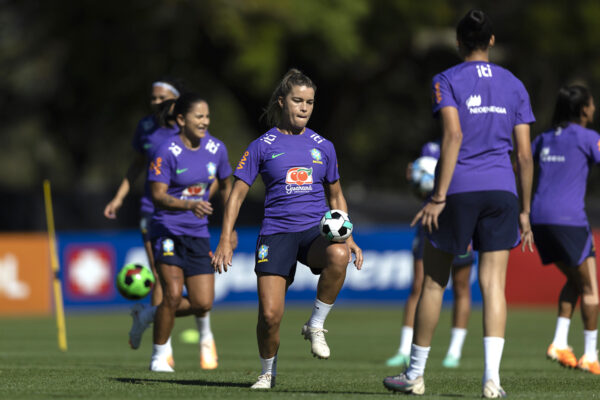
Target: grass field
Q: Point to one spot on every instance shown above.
(99, 363)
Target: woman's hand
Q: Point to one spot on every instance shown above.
(428, 216)
(526, 233)
(223, 255)
(357, 253)
(201, 208)
(110, 211)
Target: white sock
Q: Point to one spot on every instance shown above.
(591, 339)
(147, 314)
(561, 334)
(492, 351)
(269, 365)
(162, 350)
(203, 324)
(418, 359)
(406, 340)
(457, 339)
(319, 314)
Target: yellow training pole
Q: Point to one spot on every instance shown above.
(60, 312)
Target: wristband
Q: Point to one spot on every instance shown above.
(437, 202)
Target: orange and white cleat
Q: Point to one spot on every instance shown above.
(564, 357)
(585, 364)
(208, 354)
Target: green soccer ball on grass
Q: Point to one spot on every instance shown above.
(135, 281)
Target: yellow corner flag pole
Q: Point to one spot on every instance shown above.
(58, 300)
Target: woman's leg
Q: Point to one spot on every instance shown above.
(589, 314)
(271, 304)
(201, 293)
(461, 288)
(156, 298)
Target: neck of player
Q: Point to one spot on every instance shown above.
(192, 142)
(478, 55)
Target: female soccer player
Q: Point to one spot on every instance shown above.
(560, 225)
(474, 199)
(298, 167)
(181, 174)
(461, 287)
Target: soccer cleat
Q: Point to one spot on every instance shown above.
(399, 360)
(208, 354)
(137, 326)
(401, 383)
(171, 361)
(492, 391)
(265, 381)
(318, 345)
(160, 364)
(564, 357)
(451, 361)
(586, 365)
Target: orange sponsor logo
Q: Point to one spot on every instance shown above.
(598, 145)
(242, 162)
(437, 93)
(155, 166)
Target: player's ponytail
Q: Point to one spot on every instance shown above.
(272, 112)
(569, 105)
(164, 113)
(474, 31)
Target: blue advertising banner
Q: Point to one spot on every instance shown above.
(90, 262)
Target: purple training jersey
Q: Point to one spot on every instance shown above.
(294, 169)
(431, 149)
(490, 101)
(189, 174)
(149, 135)
(564, 157)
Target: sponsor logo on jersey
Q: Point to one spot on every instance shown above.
(156, 165)
(197, 190)
(299, 180)
(317, 156)
(263, 252)
(168, 246)
(545, 156)
(243, 160)
(598, 144)
(276, 155)
(475, 107)
(484, 71)
(176, 150)
(146, 146)
(180, 170)
(211, 167)
(212, 146)
(437, 93)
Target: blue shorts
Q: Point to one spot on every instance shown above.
(561, 243)
(490, 219)
(419, 244)
(189, 253)
(277, 254)
(145, 226)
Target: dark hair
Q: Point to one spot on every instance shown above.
(569, 104)
(474, 31)
(294, 77)
(182, 106)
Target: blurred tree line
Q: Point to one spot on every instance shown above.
(77, 75)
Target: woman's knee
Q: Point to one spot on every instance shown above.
(337, 254)
(171, 297)
(270, 317)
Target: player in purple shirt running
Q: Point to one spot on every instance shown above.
(181, 174)
(482, 106)
(299, 170)
(560, 226)
(461, 288)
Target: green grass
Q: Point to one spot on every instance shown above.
(99, 363)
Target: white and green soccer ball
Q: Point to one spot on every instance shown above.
(336, 226)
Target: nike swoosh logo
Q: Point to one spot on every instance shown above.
(276, 155)
(181, 171)
(147, 145)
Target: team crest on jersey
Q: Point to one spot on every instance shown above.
(194, 191)
(168, 246)
(212, 170)
(176, 150)
(317, 156)
(299, 180)
(263, 253)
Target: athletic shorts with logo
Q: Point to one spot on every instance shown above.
(490, 219)
(279, 253)
(191, 254)
(570, 245)
(418, 246)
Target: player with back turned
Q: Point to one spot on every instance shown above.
(482, 108)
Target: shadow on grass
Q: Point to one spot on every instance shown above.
(191, 382)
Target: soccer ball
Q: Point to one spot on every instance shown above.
(135, 281)
(336, 226)
(423, 174)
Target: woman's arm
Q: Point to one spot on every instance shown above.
(524, 158)
(224, 252)
(134, 170)
(337, 201)
(165, 201)
(451, 142)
